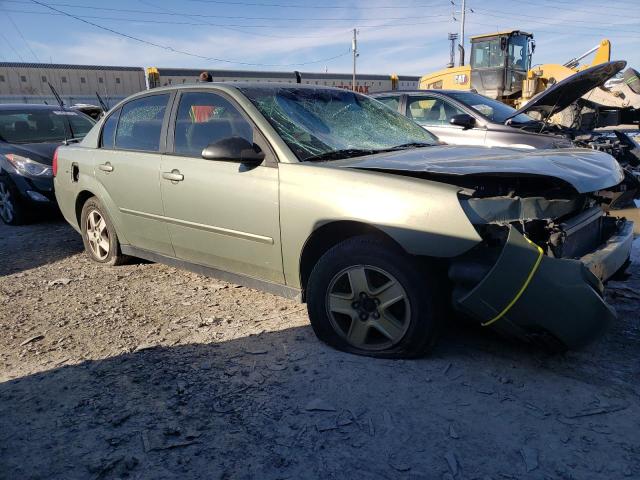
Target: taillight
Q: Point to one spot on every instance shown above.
(55, 162)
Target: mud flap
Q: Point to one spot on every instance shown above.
(527, 293)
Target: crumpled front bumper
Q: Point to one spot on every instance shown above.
(527, 294)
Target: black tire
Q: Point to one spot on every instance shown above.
(419, 282)
(114, 255)
(17, 213)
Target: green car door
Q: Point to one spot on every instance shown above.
(127, 164)
(220, 214)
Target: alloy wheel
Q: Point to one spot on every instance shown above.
(368, 307)
(6, 204)
(98, 235)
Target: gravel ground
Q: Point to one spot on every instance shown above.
(148, 372)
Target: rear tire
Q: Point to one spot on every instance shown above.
(367, 296)
(12, 212)
(98, 234)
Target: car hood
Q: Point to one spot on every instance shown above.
(564, 93)
(40, 152)
(586, 170)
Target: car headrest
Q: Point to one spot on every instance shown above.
(202, 134)
(433, 115)
(21, 127)
(44, 124)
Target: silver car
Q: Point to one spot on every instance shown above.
(467, 118)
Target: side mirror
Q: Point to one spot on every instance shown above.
(234, 149)
(463, 120)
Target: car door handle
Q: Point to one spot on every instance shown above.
(106, 167)
(173, 175)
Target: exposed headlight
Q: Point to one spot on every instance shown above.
(28, 167)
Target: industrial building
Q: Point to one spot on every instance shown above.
(29, 82)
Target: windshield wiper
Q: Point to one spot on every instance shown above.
(340, 154)
(406, 146)
(358, 152)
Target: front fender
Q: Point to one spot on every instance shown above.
(422, 216)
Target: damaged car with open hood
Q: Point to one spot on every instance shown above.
(565, 115)
(330, 197)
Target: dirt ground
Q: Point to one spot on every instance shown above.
(147, 372)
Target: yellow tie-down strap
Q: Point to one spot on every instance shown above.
(526, 283)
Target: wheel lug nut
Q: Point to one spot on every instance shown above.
(355, 305)
(363, 316)
(376, 315)
(376, 301)
(363, 295)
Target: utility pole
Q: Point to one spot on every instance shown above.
(354, 48)
(464, 12)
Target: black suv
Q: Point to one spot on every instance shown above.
(29, 136)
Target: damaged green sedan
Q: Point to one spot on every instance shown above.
(330, 197)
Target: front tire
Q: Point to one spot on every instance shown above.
(98, 234)
(367, 296)
(12, 212)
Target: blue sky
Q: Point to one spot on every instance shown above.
(403, 36)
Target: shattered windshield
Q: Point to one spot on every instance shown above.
(330, 124)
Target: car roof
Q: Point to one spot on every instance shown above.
(27, 106)
(271, 86)
(416, 92)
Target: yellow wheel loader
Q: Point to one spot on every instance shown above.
(500, 68)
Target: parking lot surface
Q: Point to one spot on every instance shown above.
(147, 372)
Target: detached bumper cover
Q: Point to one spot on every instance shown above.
(527, 293)
(611, 256)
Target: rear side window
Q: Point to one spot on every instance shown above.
(140, 123)
(205, 118)
(109, 130)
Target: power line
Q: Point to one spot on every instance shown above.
(183, 52)
(495, 13)
(222, 25)
(35, 55)
(236, 26)
(22, 37)
(173, 22)
(579, 8)
(322, 7)
(235, 29)
(6, 40)
(537, 30)
(231, 17)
